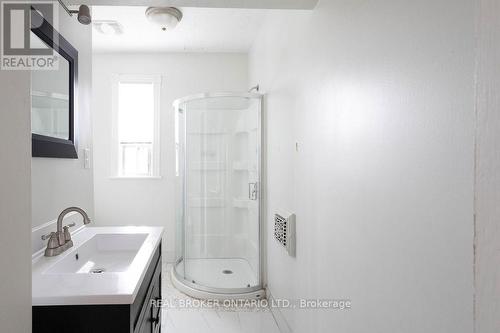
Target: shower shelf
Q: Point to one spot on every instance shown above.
(242, 203)
(243, 166)
(240, 165)
(208, 133)
(208, 166)
(245, 130)
(206, 202)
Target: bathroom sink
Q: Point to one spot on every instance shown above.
(101, 254)
(106, 265)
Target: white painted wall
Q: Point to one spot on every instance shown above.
(151, 201)
(61, 183)
(379, 97)
(15, 202)
(33, 191)
(487, 242)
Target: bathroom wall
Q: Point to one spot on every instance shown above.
(487, 245)
(116, 200)
(15, 202)
(53, 184)
(370, 113)
(61, 183)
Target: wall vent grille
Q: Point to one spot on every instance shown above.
(284, 232)
(280, 225)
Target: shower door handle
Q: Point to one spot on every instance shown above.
(252, 191)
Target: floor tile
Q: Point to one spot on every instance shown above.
(210, 320)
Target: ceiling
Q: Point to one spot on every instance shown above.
(269, 4)
(201, 30)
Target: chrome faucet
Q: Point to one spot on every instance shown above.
(60, 241)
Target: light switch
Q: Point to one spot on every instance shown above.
(86, 158)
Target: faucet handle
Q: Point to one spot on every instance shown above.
(53, 242)
(47, 236)
(67, 235)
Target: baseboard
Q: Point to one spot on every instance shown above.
(278, 316)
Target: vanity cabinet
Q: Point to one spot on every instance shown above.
(142, 316)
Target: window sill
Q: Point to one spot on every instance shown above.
(135, 178)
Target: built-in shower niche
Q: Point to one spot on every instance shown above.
(219, 198)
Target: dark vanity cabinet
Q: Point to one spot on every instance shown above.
(143, 316)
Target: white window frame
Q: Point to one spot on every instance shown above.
(115, 144)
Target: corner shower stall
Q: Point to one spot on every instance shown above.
(218, 169)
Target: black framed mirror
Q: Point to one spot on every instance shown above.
(53, 95)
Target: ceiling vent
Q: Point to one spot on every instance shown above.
(108, 27)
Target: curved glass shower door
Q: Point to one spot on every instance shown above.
(218, 138)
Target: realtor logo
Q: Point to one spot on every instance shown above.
(21, 48)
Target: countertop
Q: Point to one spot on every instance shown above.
(86, 289)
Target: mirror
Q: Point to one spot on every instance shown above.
(53, 96)
(50, 101)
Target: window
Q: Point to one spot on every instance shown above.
(136, 104)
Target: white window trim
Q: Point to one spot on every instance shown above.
(115, 80)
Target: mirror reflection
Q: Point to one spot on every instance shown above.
(50, 99)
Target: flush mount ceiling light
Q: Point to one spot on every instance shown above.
(83, 12)
(108, 27)
(165, 17)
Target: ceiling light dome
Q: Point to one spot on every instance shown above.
(165, 17)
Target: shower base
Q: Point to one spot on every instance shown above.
(230, 278)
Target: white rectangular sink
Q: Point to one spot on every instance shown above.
(103, 253)
(106, 265)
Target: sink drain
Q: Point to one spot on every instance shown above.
(97, 270)
(227, 271)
